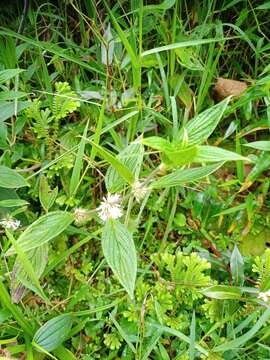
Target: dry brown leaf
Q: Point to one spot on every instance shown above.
(227, 87)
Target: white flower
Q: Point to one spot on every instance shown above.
(10, 223)
(264, 295)
(139, 191)
(110, 207)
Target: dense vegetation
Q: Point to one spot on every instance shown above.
(134, 180)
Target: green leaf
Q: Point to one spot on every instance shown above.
(47, 196)
(13, 203)
(215, 154)
(179, 45)
(131, 157)
(157, 143)
(120, 253)
(43, 230)
(8, 74)
(237, 343)
(27, 267)
(201, 127)
(7, 108)
(180, 177)
(179, 157)
(20, 279)
(52, 334)
(75, 177)
(222, 292)
(237, 267)
(11, 179)
(259, 145)
(122, 169)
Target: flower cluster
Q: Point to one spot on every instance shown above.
(110, 207)
(264, 295)
(10, 223)
(139, 190)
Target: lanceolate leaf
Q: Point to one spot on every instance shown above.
(180, 177)
(8, 74)
(239, 341)
(122, 169)
(201, 127)
(237, 267)
(43, 230)
(215, 154)
(20, 279)
(120, 253)
(260, 145)
(131, 157)
(53, 332)
(11, 179)
(222, 292)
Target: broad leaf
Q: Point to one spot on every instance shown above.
(180, 177)
(122, 169)
(222, 292)
(47, 196)
(50, 335)
(8, 74)
(157, 143)
(215, 154)
(237, 267)
(20, 279)
(260, 145)
(120, 253)
(43, 230)
(12, 203)
(7, 108)
(201, 127)
(131, 157)
(11, 179)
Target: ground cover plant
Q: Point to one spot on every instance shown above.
(134, 180)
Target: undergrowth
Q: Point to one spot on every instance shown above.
(134, 180)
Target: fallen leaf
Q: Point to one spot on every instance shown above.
(227, 87)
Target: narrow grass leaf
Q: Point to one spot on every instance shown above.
(76, 172)
(241, 340)
(122, 170)
(179, 334)
(180, 45)
(121, 331)
(192, 337)
(120, 253)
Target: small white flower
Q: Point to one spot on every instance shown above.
(139, 190)
(110, 207)
(10, 223)
(264, 295)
